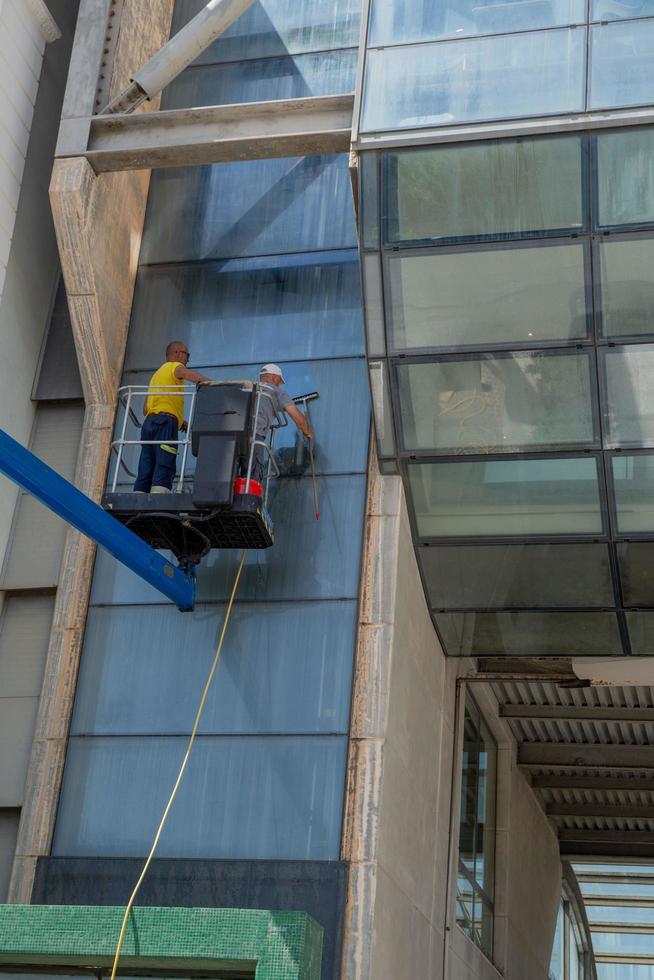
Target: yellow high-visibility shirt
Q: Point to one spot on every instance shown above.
(169, 402)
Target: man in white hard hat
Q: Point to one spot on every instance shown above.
(271, 378)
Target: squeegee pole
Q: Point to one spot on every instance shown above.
(60, 496)
(314, 481)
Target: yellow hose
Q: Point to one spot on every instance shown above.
(182, 768)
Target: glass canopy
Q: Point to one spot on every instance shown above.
(510, 333)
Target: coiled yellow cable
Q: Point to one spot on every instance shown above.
(182, 768)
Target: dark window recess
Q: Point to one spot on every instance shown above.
(58, 376)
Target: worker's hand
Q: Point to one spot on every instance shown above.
(184, 426)
(309, 434)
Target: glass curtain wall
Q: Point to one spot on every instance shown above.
(476, 865)
(461, 61)
(247, 263)
(619, 900)
(510, 338)
(568, 961)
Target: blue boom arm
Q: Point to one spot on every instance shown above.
(35, 476)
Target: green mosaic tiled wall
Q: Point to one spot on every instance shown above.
(273, 945)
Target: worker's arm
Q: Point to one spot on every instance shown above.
(185, 374)
(300, 420)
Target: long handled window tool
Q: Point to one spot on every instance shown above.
(303, 400)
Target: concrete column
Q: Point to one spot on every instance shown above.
(99, 224)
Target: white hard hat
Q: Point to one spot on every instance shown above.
(272, 369)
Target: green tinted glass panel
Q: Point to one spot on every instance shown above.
(495, 403)
(528, 575)
(636, 564)
(485, 190)
(627, 287)
(515, 496)
(625, 176)
(529, 634)
(629, 412)
(641, 634)
(633, 480)
(484, 297)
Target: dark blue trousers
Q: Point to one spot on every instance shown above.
(158, 463)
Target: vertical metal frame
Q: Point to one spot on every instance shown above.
(479, 896)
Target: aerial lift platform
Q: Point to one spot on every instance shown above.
(220, 505)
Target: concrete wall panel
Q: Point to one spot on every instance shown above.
(400, 918)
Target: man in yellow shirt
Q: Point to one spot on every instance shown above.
(164, 417)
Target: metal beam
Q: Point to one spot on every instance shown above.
(606, 836)
(550, 755)
(623, 927)
(593, 849)
(628, 783)
(562, 712)
(630, 958)
(599, 810)
(611, 901)
(213, 134)
(619, 878)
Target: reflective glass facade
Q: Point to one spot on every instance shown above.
(431, 65)
(511, 351)
(476, 864)
(247, 263)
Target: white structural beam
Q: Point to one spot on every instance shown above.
(213, 134)
(552, 755)
(178, 53)
(568, 712)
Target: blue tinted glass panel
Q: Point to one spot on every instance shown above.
(284, 668)
(629, 413)
(515, 496)
(530, 634)
(625, 177)
(240, 798)
(310, 559)
(633, 482)
(496, 189)
(496, 403)
(309, 307)
(523, 575)
(328, 73)
(620, 9)
(483, 78)
(621, 64)
(340, 446)
(492, 296)
(623, 943)
(626, 286)
(623, 971)
(612, 913)
(424, 20)
(255, 207)
(279, 27)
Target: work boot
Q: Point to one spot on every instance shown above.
(160, 490)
